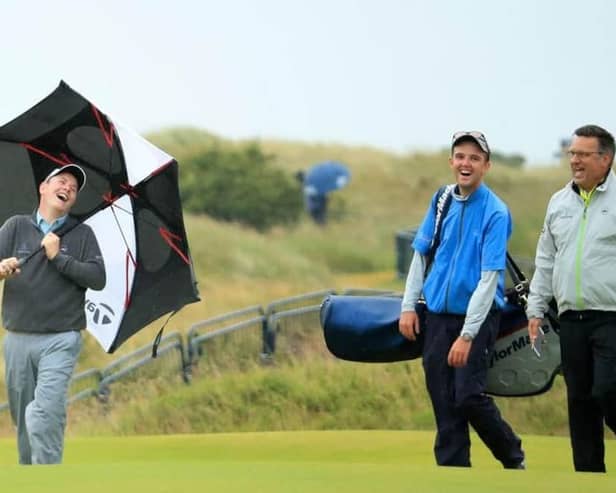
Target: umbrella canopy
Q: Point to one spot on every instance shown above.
(326, 177)
(131, 201)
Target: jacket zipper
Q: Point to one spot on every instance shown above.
(455, 256)
(579, 298)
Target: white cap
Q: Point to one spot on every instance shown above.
(73, 169)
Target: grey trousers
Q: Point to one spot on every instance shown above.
(38, 372)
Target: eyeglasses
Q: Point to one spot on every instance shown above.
(583, 154)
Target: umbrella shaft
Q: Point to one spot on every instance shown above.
(25, 259)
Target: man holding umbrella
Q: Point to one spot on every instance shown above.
(43, 311)
(320, 180)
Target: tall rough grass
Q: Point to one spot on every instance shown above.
(238, 267)
(302, 388)
(320, 395)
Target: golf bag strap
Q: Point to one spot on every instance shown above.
(442, 206)
(520, 283)
(159, 336)
(522, 287)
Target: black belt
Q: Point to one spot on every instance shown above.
(586, 314)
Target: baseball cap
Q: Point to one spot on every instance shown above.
(478, 137)
(74, 170)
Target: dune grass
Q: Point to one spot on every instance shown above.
(238, 267)
(314, 394)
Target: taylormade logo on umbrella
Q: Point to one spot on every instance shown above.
(101, 314)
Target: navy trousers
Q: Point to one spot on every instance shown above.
(458, 397)
(588, 352)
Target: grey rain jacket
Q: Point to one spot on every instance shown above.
(576, 252)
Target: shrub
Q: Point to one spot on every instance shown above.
(240, 185)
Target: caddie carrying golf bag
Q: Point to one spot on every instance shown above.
(365, 329)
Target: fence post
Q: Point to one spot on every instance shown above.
(268, 336)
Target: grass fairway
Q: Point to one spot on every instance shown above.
(325, 461)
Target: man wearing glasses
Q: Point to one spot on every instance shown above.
(574, 265)
(464, 294)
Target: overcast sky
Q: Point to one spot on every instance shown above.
(394, 74)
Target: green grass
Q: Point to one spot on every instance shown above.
(237, 267)
(334, 461)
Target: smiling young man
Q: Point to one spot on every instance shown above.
(43, 311)
(574, 264)
(464, 293)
